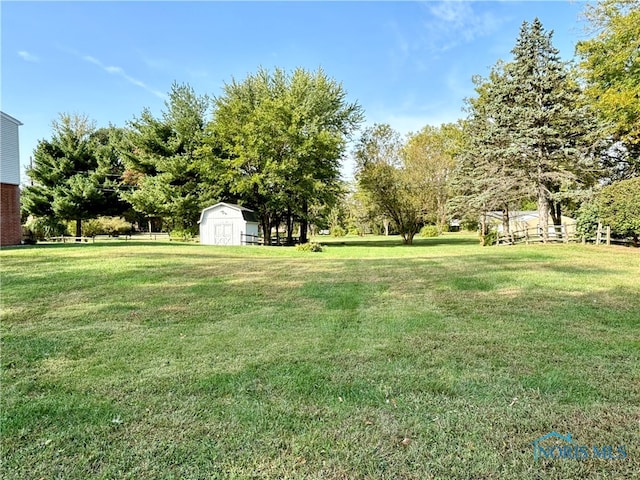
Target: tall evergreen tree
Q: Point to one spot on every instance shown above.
(166, 161)
(551, 123)
(73, 173)
(531, 119)
(487, 177)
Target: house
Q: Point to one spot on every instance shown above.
(10, 225)
(228, 224)
(529, 220)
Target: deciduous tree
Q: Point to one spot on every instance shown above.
(396, 189)
(282, 138)
(611, 67)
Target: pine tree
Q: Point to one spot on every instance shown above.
(530, 131)
(73, 173)
(166, 161)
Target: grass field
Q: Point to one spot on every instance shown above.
(369, 360)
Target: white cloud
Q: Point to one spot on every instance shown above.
(452, 23)
(119, 71)
(28, 57)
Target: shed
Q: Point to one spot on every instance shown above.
(228, 224)
(10, 227)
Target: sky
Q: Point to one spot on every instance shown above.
(408, 64)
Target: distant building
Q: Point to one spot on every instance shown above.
(10, 225)
(520, 221)
(228, 224)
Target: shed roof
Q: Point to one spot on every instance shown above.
(247, 214)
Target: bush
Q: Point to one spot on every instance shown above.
(429, 231)
(470, 225)
(113, 226)
(180, 235)
(587, 220)
(44, 227)
(338, 232)
(309, 247)
(491, 238)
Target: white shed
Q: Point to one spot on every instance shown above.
(228, 224)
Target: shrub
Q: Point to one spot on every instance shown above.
(180, 235)
(587, 220)
(45, 227)
(338, 232)
(113, 226)
(309, 247)
(429, 231)
(491, 238)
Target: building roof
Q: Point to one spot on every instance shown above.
(247, 214)
(11, 119)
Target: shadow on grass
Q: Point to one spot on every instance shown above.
(396, 241)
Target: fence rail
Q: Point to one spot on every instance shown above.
(534, 235)
(162, 236)
(560, 234)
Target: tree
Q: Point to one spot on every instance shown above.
(618, 205)
(72, 173)
(611, 66)
(486, 177)
(167, 165)
(432, 153)
(282, 139)
(533, 131)
(394, 187)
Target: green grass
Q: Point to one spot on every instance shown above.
(368, 360)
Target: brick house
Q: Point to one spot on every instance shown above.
(10, 227)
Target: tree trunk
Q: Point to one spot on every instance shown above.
(407, 239)
(556, 217)
(266, 228)
(386, 227)
(543, 214)
(149, 222)
(78, 229)
(505, 220)
(304, 222)
(289, 220)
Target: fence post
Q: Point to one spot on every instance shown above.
(565, 235)
(599, 234)
(608, 235)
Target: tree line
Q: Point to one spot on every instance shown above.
(539, 134)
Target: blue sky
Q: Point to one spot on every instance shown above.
(408, 63)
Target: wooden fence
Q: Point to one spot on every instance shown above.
(559, 234)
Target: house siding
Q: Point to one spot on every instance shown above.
(9, 150)
(10, 227)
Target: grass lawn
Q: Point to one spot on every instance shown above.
(369, 360)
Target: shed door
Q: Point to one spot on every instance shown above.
(223, 234)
